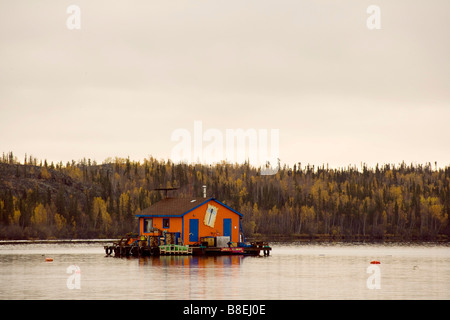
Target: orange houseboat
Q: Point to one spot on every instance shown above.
(188, 226)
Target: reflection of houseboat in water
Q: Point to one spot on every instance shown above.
(191, 261)
(188, 226)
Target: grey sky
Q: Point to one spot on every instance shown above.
(137, 70)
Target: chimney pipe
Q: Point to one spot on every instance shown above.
(204, 191)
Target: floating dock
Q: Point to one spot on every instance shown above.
(147, 246)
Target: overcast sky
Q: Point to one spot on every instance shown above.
(338, 92)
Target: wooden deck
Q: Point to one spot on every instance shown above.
(123, 249)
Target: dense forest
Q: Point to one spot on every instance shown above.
(83, 199)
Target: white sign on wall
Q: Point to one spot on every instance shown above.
(210, 216)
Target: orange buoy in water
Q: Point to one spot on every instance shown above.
(48, 259)
(374, 262)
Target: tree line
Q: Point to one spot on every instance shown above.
(83, 199)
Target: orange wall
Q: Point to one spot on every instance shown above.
(175, 224)
(206, 231)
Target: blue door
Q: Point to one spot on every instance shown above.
(193, 230)
(227, 228)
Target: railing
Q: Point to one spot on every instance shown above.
(174, 249)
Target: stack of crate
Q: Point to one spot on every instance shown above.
(208, 241)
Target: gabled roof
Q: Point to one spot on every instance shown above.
(177, 207)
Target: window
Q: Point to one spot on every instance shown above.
(148, 225)
(166, 223)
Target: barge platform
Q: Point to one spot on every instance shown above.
(141, 247)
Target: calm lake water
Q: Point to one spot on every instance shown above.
(293, 271)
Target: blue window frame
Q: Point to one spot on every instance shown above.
(166, 223)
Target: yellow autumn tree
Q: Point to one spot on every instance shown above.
(101, 216)
(15, 218)
(437, 217)
(124, 205)
(39, 216)
(45, 174)
(74, 172)
(307, 219)
(255, 210)
(60, 221)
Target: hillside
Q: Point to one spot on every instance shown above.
(24, 189)
(86, 200)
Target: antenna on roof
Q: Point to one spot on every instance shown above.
(165, 189)
(189, 181)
